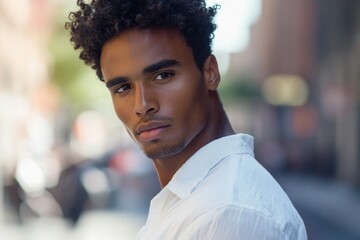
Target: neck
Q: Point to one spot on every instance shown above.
(217, 127)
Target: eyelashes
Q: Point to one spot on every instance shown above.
(164, 75)
(122, 88)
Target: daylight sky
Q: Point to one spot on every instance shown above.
(233, 20)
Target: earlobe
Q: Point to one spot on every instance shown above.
(211, 73)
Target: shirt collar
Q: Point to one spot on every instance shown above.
(196, 168)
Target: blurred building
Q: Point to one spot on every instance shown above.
(316, 44)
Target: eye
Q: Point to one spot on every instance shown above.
(164, 75)
(122, 88)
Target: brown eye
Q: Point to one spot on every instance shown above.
(164, 75)
(122, 88)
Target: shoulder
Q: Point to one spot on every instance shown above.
(248, 194)
(240, 180)
(250, 184)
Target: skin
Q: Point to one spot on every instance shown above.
(168, 105)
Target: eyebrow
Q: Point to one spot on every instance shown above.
(116, 81)
(159, 65)
(149, 69)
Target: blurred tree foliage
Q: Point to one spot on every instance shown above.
(239, 88)
(78, 82)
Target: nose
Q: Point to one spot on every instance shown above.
(145, 101)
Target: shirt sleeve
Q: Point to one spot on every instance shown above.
(234, 223)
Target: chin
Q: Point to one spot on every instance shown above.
(159, 152)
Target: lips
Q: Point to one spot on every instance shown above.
(152, 130)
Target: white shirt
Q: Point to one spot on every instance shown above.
(223, 193)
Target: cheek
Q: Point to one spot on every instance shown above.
(125, 117)
(121, 112)
(190, 105)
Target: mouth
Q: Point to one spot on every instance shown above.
(151, 131)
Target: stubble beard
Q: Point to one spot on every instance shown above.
(165, 151)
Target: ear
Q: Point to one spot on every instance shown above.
(211, 73)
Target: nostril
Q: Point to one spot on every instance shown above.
(150, 110)
(145, 111)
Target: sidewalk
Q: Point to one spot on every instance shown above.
(335, 204)
(92, 226)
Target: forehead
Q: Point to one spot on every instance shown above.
(135, 49)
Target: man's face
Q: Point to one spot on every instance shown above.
(157, 90)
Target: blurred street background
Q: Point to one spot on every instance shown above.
(290, 77)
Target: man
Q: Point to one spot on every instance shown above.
(155, 58)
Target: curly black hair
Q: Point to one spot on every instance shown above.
(98, 21)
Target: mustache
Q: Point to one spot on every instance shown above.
(148, 119)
